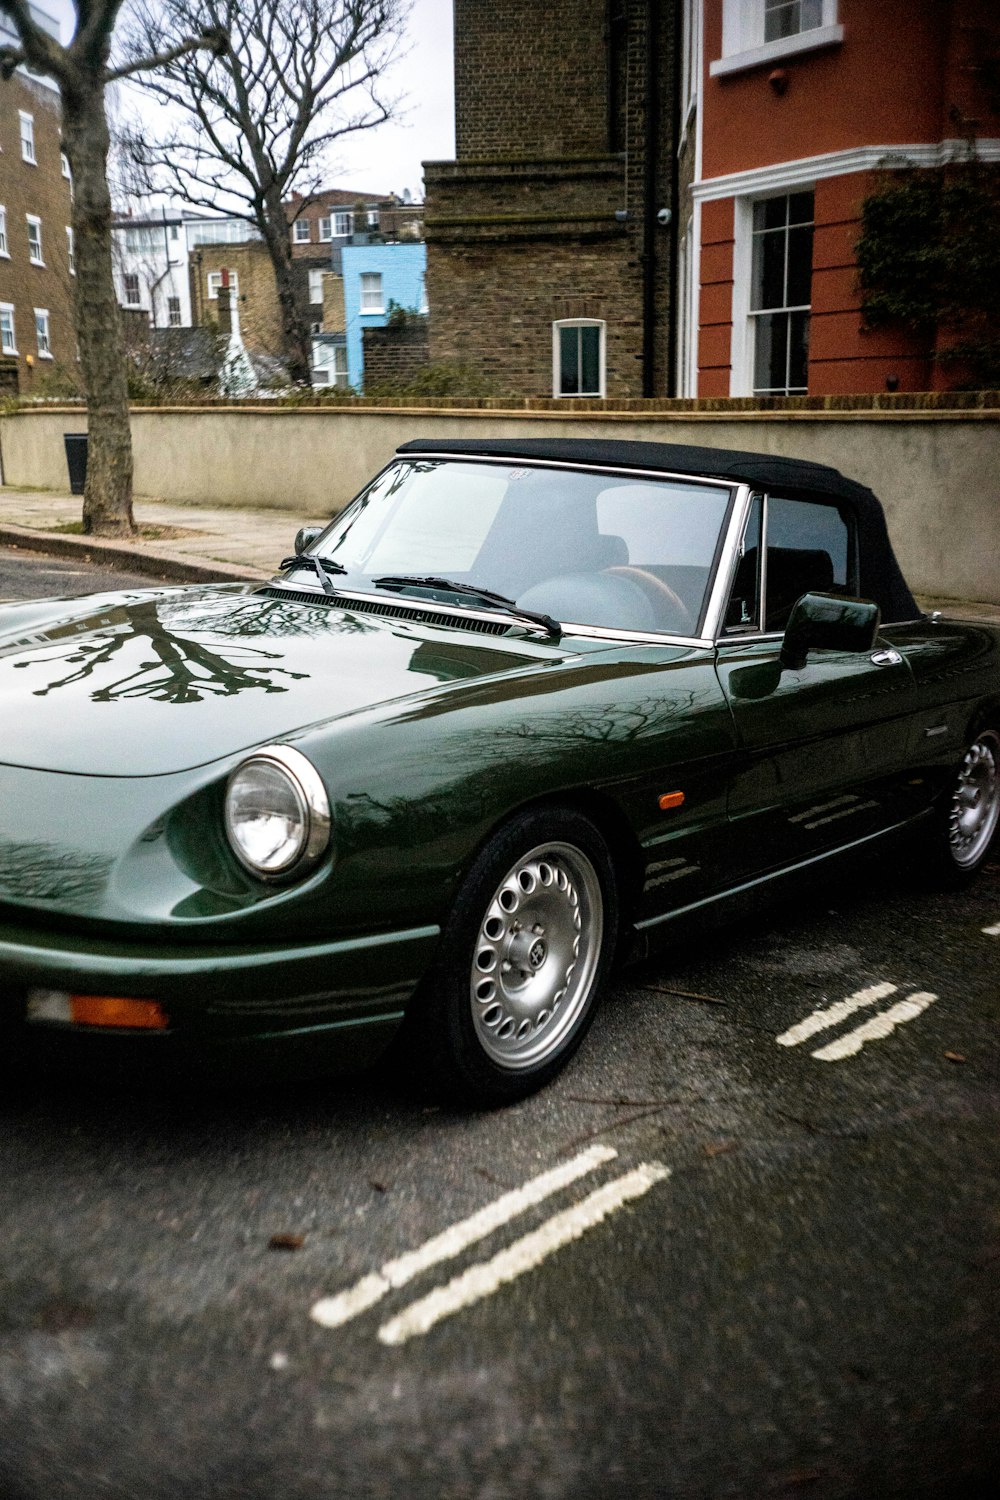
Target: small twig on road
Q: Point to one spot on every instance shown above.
(642, 1114)
(663, 989)
(622, 1103)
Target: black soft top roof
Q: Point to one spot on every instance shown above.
(880, 575)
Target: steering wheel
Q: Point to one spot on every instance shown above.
(658, 592)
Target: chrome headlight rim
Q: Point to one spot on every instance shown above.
(311, 795)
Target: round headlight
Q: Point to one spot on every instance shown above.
(277, 813)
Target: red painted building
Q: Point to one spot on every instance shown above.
(790, 111)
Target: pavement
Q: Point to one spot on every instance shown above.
(214, 544)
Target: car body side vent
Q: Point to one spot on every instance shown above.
(389, 609)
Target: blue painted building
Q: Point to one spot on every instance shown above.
(375, 276)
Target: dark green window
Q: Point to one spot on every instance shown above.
(579, 359)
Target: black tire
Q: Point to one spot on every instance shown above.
(969, 815)
(522, 963)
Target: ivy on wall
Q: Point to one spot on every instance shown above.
(929, 262)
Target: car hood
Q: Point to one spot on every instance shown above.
(146, 684)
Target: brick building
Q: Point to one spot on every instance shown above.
(549, 246)
(251, 278)
(790, 110)
(329, 216)
(37, 269)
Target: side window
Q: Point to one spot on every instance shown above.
(809, 549)
(743, 613)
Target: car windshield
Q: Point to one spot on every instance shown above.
(607, 550)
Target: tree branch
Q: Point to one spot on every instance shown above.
(212, 40)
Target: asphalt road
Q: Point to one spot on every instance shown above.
(793, 1289)
(32, 575)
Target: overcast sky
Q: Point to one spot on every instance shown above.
(387, 160)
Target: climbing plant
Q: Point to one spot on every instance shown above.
(929, 261)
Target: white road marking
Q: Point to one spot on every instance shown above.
(993, 931)
(485, 1278)
(877, 1028)
(820, 1020)
(331, 1312)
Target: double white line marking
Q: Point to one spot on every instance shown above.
(486, 1277)
(874, 1030)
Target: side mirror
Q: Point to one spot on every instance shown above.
(305, 536)
(826, 622)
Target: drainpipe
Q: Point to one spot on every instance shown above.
(649, 203)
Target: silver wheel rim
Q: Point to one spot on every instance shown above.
(975, 802)
(536, 956)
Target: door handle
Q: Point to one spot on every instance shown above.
(886, 657)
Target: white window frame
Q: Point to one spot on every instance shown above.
(332, 370)
(70, 250)
(213, 281)
(4, 247)
(373, 218)
(27, 131)
(127, 277)
(7, 311)
(557, 327)
(171, 310)
(301, 232)
(43, 333)
(743, 44)
(34, 222)
(343, 224)
(690, 60)
(741, 349)
(325, 228)
(316, 285)
(64, 166)
(372, 309)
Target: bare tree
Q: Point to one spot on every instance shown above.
(82, 70)
(257, 119)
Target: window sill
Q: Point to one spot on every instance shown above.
(10, 351)
(373, 312)
(4, 255)
(43, 355)
(772, 52)
(33, 262)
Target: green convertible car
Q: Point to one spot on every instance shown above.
(521, 706)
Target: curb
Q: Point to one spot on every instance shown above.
(129, 557)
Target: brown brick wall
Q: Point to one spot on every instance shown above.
(525, 227)
(43, 191)
(396, 353)
(530, 79)
(260, 314)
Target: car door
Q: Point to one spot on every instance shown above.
(824, 749)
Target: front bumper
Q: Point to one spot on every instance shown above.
(318, 1005)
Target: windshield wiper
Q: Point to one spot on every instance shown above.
(471, 591)
(320, 566)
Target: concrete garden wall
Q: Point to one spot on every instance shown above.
(937, 472)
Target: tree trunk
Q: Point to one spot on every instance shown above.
(293, 327)
(107, 501)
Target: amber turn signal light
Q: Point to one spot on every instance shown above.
(671, 799)
(112, 1010)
